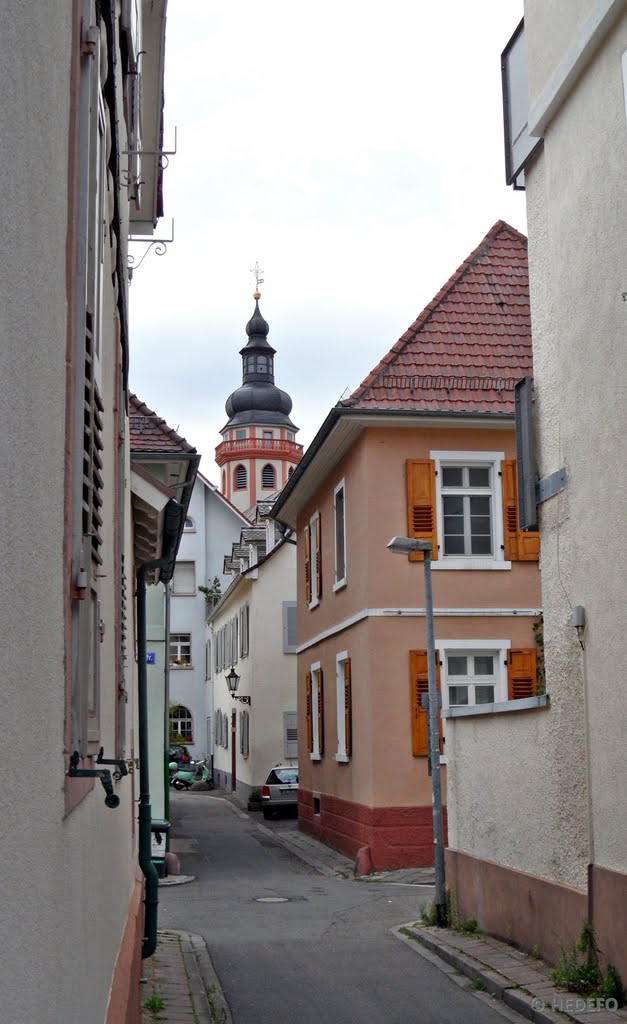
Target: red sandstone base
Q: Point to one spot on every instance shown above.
(398, 837)
(521, 909)
(125, 998)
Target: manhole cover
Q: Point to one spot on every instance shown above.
(271, 899)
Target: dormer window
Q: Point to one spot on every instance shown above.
(240, 435)
(262, 364)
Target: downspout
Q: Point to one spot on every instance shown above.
(173, 519)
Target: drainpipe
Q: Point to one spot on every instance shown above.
(173, 520)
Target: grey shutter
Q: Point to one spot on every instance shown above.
(290, 735)
(289, 627)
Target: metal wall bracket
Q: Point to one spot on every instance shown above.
(160, 245)
(550, 485)
(74, 772)
(119, 761)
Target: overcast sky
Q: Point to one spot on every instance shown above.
(355, 150)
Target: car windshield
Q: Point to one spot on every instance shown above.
(283, 775)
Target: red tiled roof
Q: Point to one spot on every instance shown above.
(469, 346)
(150, 433)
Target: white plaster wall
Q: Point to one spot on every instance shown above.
(266, 674)
(65, 882)
(217, 528)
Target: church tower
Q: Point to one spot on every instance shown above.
(258, 452)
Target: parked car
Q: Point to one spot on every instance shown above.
(280, 789)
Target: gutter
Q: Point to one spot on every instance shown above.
(174, 518)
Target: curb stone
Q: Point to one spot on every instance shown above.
(525, 997)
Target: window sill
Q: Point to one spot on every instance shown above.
(343, 758)
(445, 562)
(503, 707)
(315, 757)
(340, 584)
(314, 604)
(177, 668)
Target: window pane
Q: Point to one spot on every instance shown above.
(457, 695)
(484, 665)
(484, 694)
(479, 476)
(480, 506)
(453, 526)
(452, 476)
(457, 665)
(481, 545)
(340, 570)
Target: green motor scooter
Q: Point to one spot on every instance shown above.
(185, 775)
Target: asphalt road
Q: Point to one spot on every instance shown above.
(291, 946)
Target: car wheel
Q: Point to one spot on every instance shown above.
(267, 812)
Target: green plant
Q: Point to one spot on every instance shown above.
(538, 632)
(477, 985)
(535, 951)
(579, 969)
(154, 1004)
(428, 914)
(212, 593)
(469, 926)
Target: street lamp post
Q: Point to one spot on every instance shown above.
(405, 546)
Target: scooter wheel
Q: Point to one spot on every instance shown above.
(178, 784)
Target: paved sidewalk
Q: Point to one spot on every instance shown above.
(181, 985)
(520, 981)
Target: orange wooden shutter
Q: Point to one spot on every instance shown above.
(519, 545)
(320, 712)
(318, 556)
(521, 673)
(419, 684)
(309, 714)
(421, 511)
(348, 708)
(307, 564)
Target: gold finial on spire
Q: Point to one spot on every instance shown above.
(257, 271)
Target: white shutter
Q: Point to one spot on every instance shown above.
(184, 578)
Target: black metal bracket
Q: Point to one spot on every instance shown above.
(74, 772)
(119, 761)
(244, 700)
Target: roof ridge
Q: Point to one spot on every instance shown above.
(423, 317)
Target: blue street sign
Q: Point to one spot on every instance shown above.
(150, 657)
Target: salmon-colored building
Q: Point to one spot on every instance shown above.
(425, 447)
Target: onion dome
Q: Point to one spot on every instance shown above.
(258, 400)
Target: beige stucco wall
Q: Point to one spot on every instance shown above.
(578, 254)
(569, 793)
(66, 881)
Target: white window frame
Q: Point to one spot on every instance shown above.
(313, 561)
(474, 458)
(340, 659)
(192, 528)
(315, 754)
(497, 647)
(184, 593)
(179, 646)
(183, 718)
(340, 581)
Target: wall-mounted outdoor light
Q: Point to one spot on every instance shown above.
(232, 681)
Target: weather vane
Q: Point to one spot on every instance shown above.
(257, 271)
